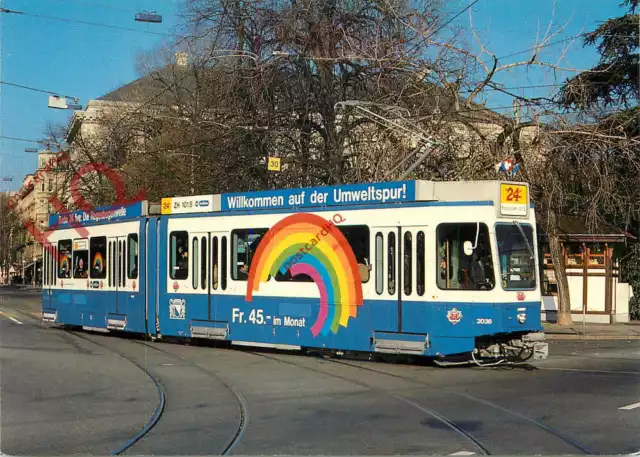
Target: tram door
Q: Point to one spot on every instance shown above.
(219, 255)
(116, 267)
(199, 245)
(387, 272)
(48, 273)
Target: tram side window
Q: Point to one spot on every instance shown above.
(133, 252)
(420, 264)
(244, 245)
(214, 263)
(45, 259)
(80, 259)
(204, 258)
(53, 265)
(223, 261)
(408, 262)
(391, 274)
(456, 269)
(179, 258)
(98, 254)
(358, 238)
(379, 263)
(194, 255)
(64, 262)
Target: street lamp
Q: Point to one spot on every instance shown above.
(58, 102)
(146, 16)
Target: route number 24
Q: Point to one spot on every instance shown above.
(513, 194)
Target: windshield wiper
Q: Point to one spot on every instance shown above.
(525, 238)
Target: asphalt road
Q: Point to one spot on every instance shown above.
(69, 393)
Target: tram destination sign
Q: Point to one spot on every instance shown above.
(352, 194)
(191, 204)
(104, 214)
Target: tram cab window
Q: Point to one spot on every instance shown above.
(516, 256)
(179, 255)
(132, 256)
(80, 259)
(457, 269)
(64, 259)
(244, 244)
(98, 254)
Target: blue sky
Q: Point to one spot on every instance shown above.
(89, 61)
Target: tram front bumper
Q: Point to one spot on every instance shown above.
(538, 343)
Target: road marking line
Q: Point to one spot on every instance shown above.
(633, 406)
(637, 373)
(463, 453)
(15, 320)
(635, 453)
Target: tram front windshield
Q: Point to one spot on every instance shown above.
(516, 256)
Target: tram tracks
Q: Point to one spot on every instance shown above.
(477, 443)
(160, 410)
(243, 407)
(162, 395)
(574, 443)
(479, 446)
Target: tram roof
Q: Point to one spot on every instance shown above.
(514, 200)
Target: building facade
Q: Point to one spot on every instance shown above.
(34, 203)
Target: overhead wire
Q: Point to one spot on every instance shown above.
(102, 5)
(35, 89)
(97, 24)
(553, 43)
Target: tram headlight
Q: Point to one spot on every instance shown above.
(522, 317)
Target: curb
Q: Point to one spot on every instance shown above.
(591, 337)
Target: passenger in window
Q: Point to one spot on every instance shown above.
(253, 247)
(80, 271)
(481, 272)
(183, 258)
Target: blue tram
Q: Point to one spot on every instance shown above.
(447, 270)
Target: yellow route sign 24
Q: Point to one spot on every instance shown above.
(514, 199)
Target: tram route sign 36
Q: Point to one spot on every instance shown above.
(514, 199)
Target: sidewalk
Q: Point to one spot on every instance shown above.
(578, 331)
(27, 287)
